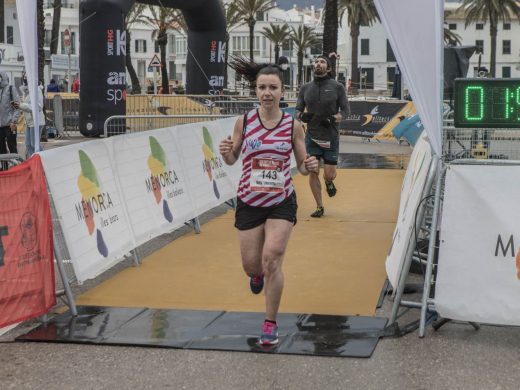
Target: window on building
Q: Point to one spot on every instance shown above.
(452, 26)
(140, 45)
(506, 72)
(317, 49)
(507, 26)
(10, 36)
(72, 43)
(141, 69)
(365, 47)
(181, 46)
(479, 43)
(390, 76)
(479, 26)
(390, 57)
(171, 69)
(47, 39)
(367, 78)
(171, 44)
(506, 46)
(156, 46)
(260, 16)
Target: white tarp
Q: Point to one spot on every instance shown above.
(415, 31)
(26, 10)
(411, 194)
(478, 276)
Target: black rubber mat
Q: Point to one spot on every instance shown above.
(373, 161)
(300, 334)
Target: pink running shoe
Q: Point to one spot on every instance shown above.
(270, 334)
(256, 283)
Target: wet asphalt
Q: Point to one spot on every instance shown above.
(454, 357)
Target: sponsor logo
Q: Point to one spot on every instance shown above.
(116, 42)
(95, 204)
(216, 81)
(29, 233)
(116, 78)
(115, 95)
(162, 178)
(253, 143)
(212, 163)
(217, 51)
(370, 117)
(506, 247)
(283, 147)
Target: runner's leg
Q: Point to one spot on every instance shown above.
(277, 233)
(251, 244)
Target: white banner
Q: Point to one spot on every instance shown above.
(84, 190)
(211, 181)
(411, 194)
(148, 166)
(415, 31)
(478, 277)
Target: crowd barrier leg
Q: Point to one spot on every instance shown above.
(195, 224)
(65, 281)
(399, 290)
(431, 247)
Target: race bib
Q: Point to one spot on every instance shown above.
(267, 175)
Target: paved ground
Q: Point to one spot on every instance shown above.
(455, 357)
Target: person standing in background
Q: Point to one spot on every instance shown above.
(9, 115)
(30, 130)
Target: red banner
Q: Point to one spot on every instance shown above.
(26, 247)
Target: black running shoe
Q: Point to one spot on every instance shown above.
(256, 283)
(318, 212)
(331, 188)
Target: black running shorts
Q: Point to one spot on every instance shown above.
(248, 217)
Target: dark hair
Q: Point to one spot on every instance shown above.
(251, 70)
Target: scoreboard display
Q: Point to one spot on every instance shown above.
(487, 103)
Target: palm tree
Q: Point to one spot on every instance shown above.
(330, 30)
(302, 37)
(55, 32)
(133, 16)
(278, 35)
(161, 20)
(450, 38)
(360, 13)
(494, 11)
(249, 11)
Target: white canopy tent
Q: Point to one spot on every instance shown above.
(415, 31)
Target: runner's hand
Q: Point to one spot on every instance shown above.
(226, 146)
(311, 164)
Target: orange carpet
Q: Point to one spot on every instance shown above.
(333, 265)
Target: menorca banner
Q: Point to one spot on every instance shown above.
(367, 118)
(26, 255)
(103, 53)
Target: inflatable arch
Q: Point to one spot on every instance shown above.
(103, 51)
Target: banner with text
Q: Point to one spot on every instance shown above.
(367, 118)
(478, 277)
(82, 181)
(411, 194)
(26, 252)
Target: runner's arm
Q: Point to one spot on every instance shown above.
(305, 163)
(229, 148)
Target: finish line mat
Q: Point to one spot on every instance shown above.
(300, 334)
(333, 265)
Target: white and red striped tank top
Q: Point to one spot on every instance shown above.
(266, 161)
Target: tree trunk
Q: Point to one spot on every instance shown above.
(55, 34)
(276, 53)
(251, 39)
(330, 31)
(164, 73)
(136, 86)
(354, 33)
(40, 26)
(493, 54)
(300, 68)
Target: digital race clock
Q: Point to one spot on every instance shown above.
(487, 103)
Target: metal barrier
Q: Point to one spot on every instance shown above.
(122, 124)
